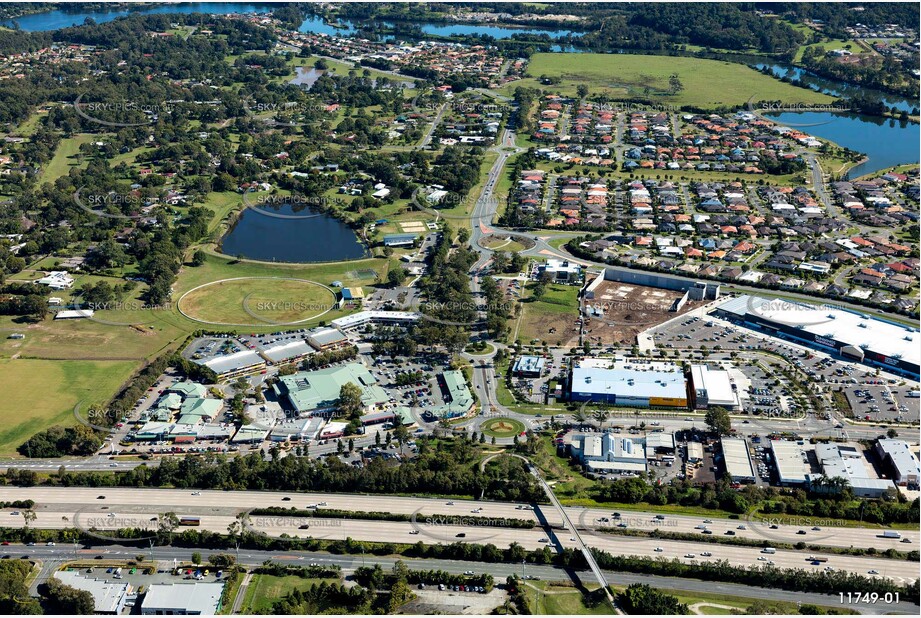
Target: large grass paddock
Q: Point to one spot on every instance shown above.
(39, 393)
(706, 83)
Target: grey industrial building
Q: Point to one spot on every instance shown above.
(737, 460)
(198, 599)
(898, 460)
(109, 597)
(852, 335)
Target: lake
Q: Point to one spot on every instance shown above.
(294, 235)
(886, 141)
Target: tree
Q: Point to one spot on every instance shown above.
(582, 91)
(196, 557)
(674, 84)
(198, 258)
(167, 523)
(396, 276)
(63, 599)
(539, 290)
(718, 421)
(400, 433)
(349, 404)
(14, 593)
(28, 516)
(643, 599)
(601, 417)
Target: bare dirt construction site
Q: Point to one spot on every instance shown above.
(620, 311)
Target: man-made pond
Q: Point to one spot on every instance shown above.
(886, 141)
(285, 234)
(306, 76)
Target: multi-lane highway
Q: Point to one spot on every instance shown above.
(466, 521)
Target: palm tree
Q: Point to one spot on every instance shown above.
(601, 417)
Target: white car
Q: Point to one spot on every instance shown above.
(658, 549)
(690, 556)
(196, 493)
(873, 572)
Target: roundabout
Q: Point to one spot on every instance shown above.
(502, 427)
(512, 243)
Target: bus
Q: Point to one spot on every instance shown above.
(190, 521)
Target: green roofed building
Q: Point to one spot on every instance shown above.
(170, 401)
(188, 389)
(406, 415)
(194, 406)
(458, 399)
(316, 392)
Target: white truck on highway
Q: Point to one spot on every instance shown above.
(768, 550)
(891, 534)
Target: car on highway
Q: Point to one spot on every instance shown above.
(196, 493)
(873, 572)
(690, 556)
(468, 572)
(706, 554)
(414, 532)
(658, 550)
(801, 532)
(100, 497)
(460, 535)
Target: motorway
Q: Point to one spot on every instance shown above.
(67, 507)
(61, 553)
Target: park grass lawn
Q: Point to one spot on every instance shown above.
(222, 204)
(219, 266)
(549, 598)
(28, 126)
(263, 590)
(502, 427)
(707, 83)
(258, 301)
(40, 393)
(65, 157)
(712, 600)
(507, 245)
